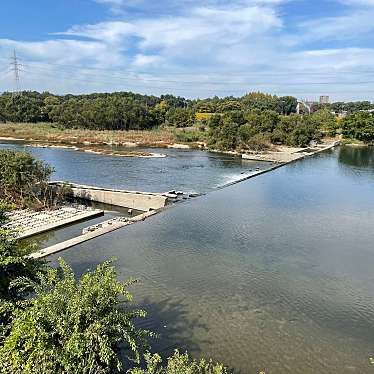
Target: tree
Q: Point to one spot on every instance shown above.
(229, 106)
(179, 117)
(258, 100)
(286, 105)
(14, 264)
(75, 326)
(359, 126)
(179, 364)
(223, 130)
(325, 121)
(23, 179)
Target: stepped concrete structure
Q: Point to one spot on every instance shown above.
(26, 223)
(143, 201)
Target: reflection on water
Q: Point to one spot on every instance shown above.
(356, 158)
(273, 273)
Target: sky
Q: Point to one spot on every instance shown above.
(195, 49)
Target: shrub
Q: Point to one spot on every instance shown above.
(259, 142)
(178, 364)
(74, 326)
(24, 181)
(359, 126)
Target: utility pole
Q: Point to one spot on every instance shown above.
(15, 67)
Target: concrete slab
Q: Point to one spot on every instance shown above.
(129, 199)
(28, 223)
(104, 228)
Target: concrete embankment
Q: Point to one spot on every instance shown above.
(277, 164)
(99, 230)
(144, 201)
(28, 223)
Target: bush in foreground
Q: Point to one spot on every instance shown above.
(24, 181)
(179, 364)
(74, 326)
(14, 264)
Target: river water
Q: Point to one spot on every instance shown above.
(273, 273)
(185, 170)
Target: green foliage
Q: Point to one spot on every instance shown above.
(258, 100)
(189, 136)
(23, 179)
(259, 142)
(359, 126)
(178, 364)
(179, 117)
(325, 121)
(111, 112)
(256, 129)
(297, 131)
(351, 107)
(206, 106)
(23, 107)
(229, 106)
(223, 130)
(286, 105)
(74, 326)
(14, 264)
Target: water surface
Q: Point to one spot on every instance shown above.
(185, 170)
(273, 273)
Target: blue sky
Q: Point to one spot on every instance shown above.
(191, 48)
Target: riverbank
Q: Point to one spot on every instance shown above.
(50, 134)
(46, 135)
(99, 150)
(283, 154)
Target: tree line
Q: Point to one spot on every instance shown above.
(127, 110)
(254, 119)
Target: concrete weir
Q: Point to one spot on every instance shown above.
(144, 201)
(99, 230)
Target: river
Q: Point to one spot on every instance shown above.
(273, 273)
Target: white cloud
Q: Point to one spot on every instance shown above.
(365, 3)
(228, 25)
(146, 60)
(65, 51)
(350, 26)
(214, 47)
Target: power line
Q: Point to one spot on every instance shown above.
(15, 67)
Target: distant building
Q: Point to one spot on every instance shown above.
(324, 99)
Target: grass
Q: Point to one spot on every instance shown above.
(189, 136)
(46, 132)
(349, 141)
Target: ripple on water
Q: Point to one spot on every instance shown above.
(273, 273)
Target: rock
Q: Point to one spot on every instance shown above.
(171, 195)
(194, 194)
(179, 146)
